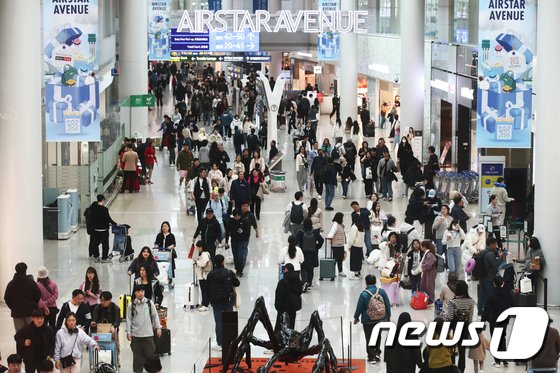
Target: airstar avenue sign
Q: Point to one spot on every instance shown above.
(308, 21)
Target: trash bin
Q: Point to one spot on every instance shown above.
(278, 181)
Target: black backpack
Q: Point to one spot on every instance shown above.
(308, 242)
(402, 239)
(324, 173)
(479, 269)
(335, 154)
(509, 277)
(296, 213)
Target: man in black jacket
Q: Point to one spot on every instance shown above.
(240, 191)
(288, 296)
(221, 282)
(303, 106)
(335, 107)
(459, 214)
(253, 142)
(100, 222)
(201, 193)
(22, 296)
(79, 307)
(317, 170)
(35, 342)
(239, 231)
(106, 312)
(489, 259)
(210, 232)
(330, 178)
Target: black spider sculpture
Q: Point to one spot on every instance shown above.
(289, 346)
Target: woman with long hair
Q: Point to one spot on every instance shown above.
(461, 309)
(301, 168)
(256, 180)
(165, 240)
(153, 290)
(452, 239)
(291, 254)
(69, 344)
(316, 214)
(146, 259)
(49, 296)
(337, 236)
(91, 288)
(356, 245)
(150, 156)
(310, 241)
(399, 358)
(257, 159)
(428, 269)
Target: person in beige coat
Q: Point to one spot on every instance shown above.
(500, 191)
(129, 162)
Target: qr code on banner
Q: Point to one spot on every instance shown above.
(504, 132)
(72, 125)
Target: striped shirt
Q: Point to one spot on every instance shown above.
(460, 309)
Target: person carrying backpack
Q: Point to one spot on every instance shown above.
(310, 241)
(297, 211)
(373, 307)
(288, 296)
(141, 322)
(485, 269)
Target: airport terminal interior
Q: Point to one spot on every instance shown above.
(415, 105)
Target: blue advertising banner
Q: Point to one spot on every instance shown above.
(506, 44)
(260, 5)
(214, 5)
(158, 30)
(70, 53)
(328, 44)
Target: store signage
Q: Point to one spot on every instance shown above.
(443, 86)
(467, 92)
(308, 21)
(317, 69)
(142, 100)
(506, 43)
(379, 68)
(158, 30)
(71, 65)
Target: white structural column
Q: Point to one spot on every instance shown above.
(348, 64)
(133, 47)
(412, 64)
(275, 65)
(227, 4)
(546, 156)
(20, 118)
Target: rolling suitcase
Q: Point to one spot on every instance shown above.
(192, 293)
(125, 300)
(163, 343)
(327, 266)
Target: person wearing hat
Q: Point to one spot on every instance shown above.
(35, 341)
(209, 231)
(141, 322)
(22, 297)
(49, 296)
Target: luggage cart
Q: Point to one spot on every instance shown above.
(122, 243)
(104, 345)
(164, 258)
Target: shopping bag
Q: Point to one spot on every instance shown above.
(525, 285)
(191, 251)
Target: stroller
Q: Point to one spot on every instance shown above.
(122, 243)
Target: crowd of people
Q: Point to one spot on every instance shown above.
(226, 192)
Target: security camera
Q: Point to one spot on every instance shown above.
(396, 78)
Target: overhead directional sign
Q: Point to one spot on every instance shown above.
(245, 41)
(189, 41)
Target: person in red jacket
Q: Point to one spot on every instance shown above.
(150, 155)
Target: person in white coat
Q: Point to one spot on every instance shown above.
(475, 242)
(69, 344)
(388, 249)
(203, 266)
(452, 237)
(291, 254)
